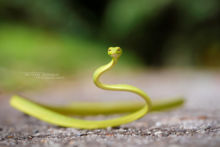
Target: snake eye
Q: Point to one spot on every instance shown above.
(118, 49)
(109, 50)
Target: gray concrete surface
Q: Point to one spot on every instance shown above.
(197, 124)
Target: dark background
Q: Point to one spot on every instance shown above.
(67, 36)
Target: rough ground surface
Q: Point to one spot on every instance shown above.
(195, 124)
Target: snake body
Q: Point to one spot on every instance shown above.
(60, 115)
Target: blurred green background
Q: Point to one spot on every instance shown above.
(64, 37)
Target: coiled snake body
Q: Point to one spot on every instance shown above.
(59, 115)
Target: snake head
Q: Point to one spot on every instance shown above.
(114, 52)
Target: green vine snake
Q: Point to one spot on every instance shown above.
(60, 115)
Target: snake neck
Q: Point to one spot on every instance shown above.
(98, 72)
(121, 87)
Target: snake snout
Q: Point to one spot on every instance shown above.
(115, 55)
